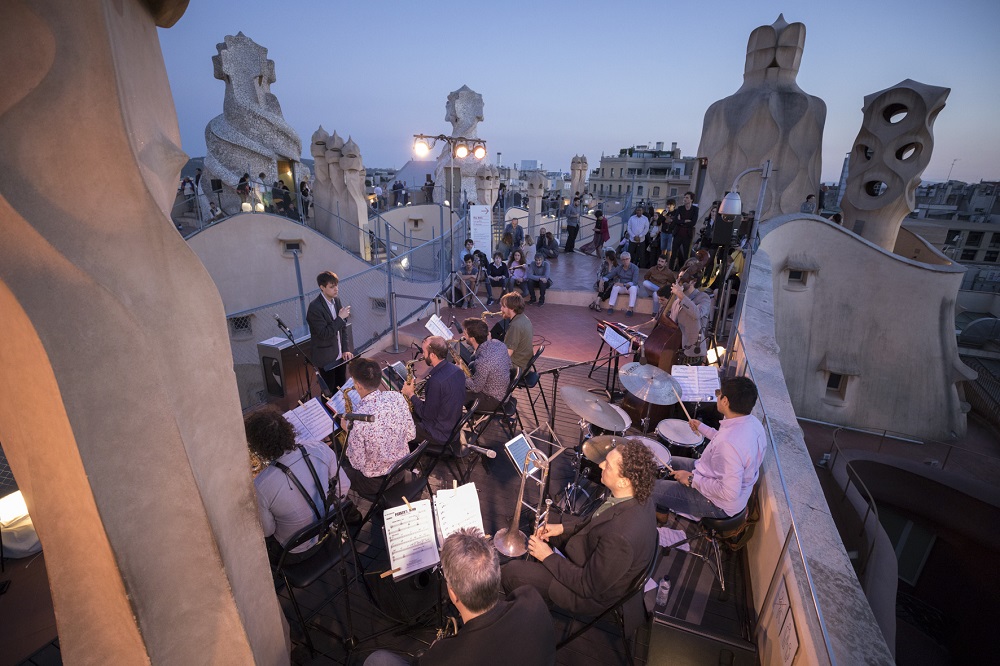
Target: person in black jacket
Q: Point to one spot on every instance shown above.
(497, 631)
(327, 320)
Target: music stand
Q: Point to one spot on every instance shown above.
(619, 346)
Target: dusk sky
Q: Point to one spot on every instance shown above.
(561, 78)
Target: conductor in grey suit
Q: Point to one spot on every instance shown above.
(327, 320)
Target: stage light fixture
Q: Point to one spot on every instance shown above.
(480, 151)
(461, 150)
(421, 147)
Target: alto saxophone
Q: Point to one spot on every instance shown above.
(410, 379)
(341, 435)
(456, 358)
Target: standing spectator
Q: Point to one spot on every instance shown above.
(516, 233)
(605, 280)
(627, 277)
(708, 228)
(572, 224)
(305, 198)
(636, 230)
(378, 196)
(518, 272)
(822, 197)
(243, 188)
(809, 205)
(685, 219)
(497, 277)
(428, 189)
(538, 277)
(667, 229)
(260, 194)
(658, 276)
(187, 190)
(601, 235)
(501, 195)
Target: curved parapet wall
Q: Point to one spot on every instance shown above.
(250, 135)
(866, 336)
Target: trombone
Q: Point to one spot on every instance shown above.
(511, 541)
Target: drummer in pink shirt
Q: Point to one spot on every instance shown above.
(718, 484)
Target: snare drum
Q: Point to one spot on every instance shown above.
(660, 453)
(680, 439)
(594, 431)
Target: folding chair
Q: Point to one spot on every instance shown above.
(506, 411)
(530, 380)
(617, 609)
(335, 548)
(395, 487)
(450, 450)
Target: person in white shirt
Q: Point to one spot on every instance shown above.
(718, 485)
(637, 228)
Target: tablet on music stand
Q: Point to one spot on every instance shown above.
(517, 449)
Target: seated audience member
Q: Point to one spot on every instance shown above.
(518, 273)
(497, 276)
(468, 277)
(439, 410)
(718, 485)
(519, 332)
(538, 278)
(604, 552)
(282, 507)
(490, 366)
(373, 448)
(546, 245)
(528, 250)
(658, 276)
(626, 279)
(605, 280)
(496, 631)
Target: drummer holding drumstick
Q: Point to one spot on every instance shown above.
(718, 484)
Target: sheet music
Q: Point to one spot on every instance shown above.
(617, 341)
(455, 509)
(409, 535)
(438, 327)
(698, 382)
(310, 421)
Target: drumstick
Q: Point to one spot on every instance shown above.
(681, 402)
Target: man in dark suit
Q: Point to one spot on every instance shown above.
(328, 328)
(605, 552)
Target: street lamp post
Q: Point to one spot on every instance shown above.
(458, 146)
(732, 207)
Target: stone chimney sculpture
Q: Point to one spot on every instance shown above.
(356, 217)
(769, 117)
(487, 185)
(578, 173)
(536, 191)
(251, 135)
(464, 110)
(892, 150)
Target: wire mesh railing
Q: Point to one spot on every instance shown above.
(420, 273)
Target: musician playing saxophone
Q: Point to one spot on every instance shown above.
(440, 408)
(373, 448)
(492, 366)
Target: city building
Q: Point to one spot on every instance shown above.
(650, 174)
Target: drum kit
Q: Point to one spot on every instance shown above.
(603, 426)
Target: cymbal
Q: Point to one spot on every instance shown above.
(649, 383)
(596, 449)
(592, 409)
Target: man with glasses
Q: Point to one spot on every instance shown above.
(718, 484)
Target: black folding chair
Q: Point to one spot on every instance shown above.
(617, 609)
(505, 411)
(529, 380)
(395, 486)
(335, 548)
(451, 452)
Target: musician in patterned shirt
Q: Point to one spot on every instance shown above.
(373, 448)
(491, 366)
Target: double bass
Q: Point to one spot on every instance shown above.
(660, 349)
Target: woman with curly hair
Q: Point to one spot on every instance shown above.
(606, 551)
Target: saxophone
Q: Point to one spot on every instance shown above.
(456, 358)
(342, 434)
(410, 379)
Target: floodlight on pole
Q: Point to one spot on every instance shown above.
(461, 150)
(733, 199)
(479, 152)
(421, 147)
